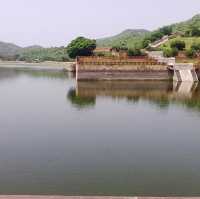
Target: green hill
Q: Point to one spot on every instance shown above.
(186, 26)
(9, 51)
(40, 54)
(134, 38)
(130, 37)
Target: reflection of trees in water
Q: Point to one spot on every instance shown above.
(165, 99)
(50, 74)
(7, 74)
(162, 94)
(80, 102)
(161, 101)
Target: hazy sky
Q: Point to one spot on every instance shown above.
(56, 22)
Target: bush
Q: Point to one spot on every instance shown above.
(146, 42)
(166, 30)
(134, 52)
(195, 31)
(170, 52)
(178, 44)
(194, 50)
(81, 47)
(195, 46)
(156, 36)
(191, 53)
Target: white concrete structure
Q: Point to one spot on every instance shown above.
(184, 73)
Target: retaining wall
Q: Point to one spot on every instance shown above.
(120, 69)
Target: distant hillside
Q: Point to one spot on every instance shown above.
(9, 49)
(134, 37)
(39, 54)
(35, 53)
(131, 37)
(186, 25)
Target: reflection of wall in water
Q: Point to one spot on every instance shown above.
(123, 88)
(184, 89)
(161, 93)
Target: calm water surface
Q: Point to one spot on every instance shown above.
(97, 138)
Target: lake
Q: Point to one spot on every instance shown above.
(60, 137)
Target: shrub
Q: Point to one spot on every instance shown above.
(170, 52)
(81, 47)
(156, 36)
(195, 46)
(146, 42)
(191, 53)
(194, 51)
(195, 31)
(134, 52)
(178, 44)
(166, 30)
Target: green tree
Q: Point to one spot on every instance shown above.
(170, 52)
(156, 36)
(178, 44)
(166, 30)
(134, 52)
(196, 47)
(195, 31)
(191, 53)
(145, 43)
(81, 47)
(194, 51)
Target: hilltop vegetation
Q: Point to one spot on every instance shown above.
(44, 54)
(130, 37)
(190, 27)
(141, 38)
(34, 53)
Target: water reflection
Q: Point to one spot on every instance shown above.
(11, 73)
(161, 93)
(79, 101)
(122, 146)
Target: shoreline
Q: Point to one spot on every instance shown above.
(47, 65)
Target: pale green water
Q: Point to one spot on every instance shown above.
(97, 138)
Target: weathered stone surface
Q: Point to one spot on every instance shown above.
(117, 75)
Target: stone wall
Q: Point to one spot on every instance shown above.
(129, 75)
(121, 69)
